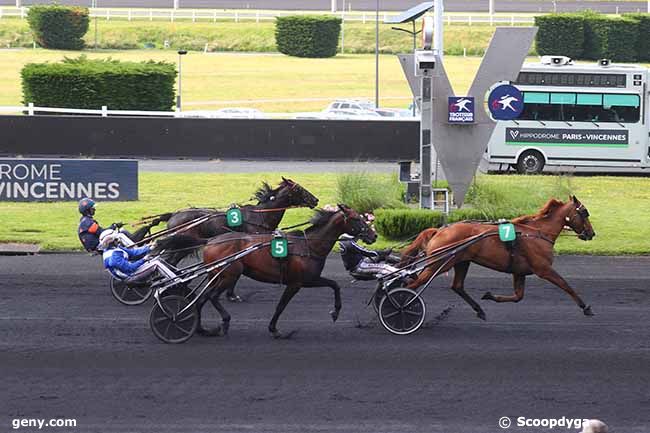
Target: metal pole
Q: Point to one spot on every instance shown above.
(19, 3)
(178, 97)
(415, 99)
(438, 42)
(426, 121)
(176, 4)
(343, 28)
(333, 8)
(491, 7)
(94, 6)
(377, 54)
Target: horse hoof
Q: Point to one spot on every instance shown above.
(334, 314)
(280, 336)
(215, 332)
(488, 296)
(234, 298)
(587, 311)
(481, 315)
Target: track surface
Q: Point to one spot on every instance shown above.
(67, 349)
(367, 5)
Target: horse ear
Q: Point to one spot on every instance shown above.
(575, 200)
(284, 179)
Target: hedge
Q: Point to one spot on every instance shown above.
(405, 223)
(83, 83)
(307, 35)
(611, 38)
(643, 41)
(58, 27)
(560, 34)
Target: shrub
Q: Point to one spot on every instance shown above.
(643, 40)
(58, 27)
(560, 34)
(406, 223)
(612, 38)
(307, 35)
(83, 83)
(465, 214)
(367, 192)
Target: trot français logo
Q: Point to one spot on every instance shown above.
(461, 109)
(505, 102)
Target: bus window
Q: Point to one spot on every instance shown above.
(580, 107)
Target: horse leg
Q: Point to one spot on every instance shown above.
(224, 283)
(289, 292)
(458, 286)
(326, 282)
(550, 275)
(518, 282)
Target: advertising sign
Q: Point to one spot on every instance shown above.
(461, 109)
(68, 179)
(568, 137)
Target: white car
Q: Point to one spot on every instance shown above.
(241, 113)
(351, 105)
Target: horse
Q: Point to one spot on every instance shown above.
(308, 251)
(531, 252)
(263, 217)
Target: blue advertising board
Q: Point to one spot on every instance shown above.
(461, 109)
(68, 179)
(505, 102)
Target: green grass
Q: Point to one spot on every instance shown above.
(619, 206)
(271, 83)
(244, 36)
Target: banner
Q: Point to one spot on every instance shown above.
(68, 179)
(568, 137)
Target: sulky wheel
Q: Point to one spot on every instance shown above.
(402, 311)
(168, 325)
(129, 295)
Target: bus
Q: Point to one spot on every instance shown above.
(576, 115)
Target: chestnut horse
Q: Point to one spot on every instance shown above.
(531, 252)
(308, 251)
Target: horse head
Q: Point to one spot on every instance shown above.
(578, 220)
(356, 225)
(296, 194)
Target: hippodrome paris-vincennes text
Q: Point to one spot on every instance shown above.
(44, 181)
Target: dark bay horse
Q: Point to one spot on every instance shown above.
(308, 251)
(263, 217)
(259, 218)
(531, 252)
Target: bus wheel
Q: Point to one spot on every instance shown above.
(530, 162)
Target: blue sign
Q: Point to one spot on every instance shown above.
(68, 179)
(461, 109)
(505, 102)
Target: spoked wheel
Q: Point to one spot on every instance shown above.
(129, 295)
(170, 326)
(402, 311)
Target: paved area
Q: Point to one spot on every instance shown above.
(67, 349)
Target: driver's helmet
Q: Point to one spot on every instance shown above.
(85, 206)
(106, 238)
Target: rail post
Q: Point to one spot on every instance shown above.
(104, 111)
(30, 109)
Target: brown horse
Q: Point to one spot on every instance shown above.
(531, 252)
(308, 251)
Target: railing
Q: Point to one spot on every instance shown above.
(32, 110)
(214, 15)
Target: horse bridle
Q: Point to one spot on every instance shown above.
(584, 214)
(365, 227)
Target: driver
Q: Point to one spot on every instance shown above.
(89, 229)
(126, 263)
(361, 261)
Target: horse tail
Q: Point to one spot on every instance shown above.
(179, 243)
(154, 220)
(411, 252)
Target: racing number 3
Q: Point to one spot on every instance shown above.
(234, 217)
(279, 248)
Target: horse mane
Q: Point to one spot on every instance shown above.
(547, 209)
(264, 193)
(321, 217)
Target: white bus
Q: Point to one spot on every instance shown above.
(576, 115)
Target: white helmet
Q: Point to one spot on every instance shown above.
(106, 238)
